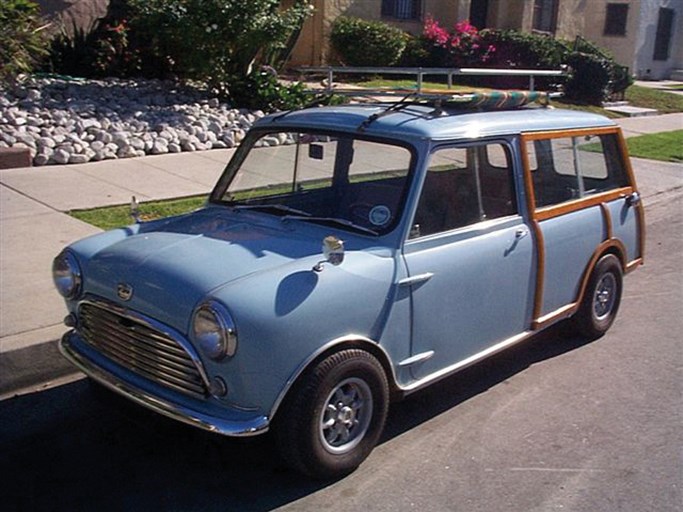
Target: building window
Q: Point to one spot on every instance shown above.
(663, 38)
(615, 20)
(402, 9)
(545, 15)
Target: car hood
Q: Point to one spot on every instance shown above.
(172, 267)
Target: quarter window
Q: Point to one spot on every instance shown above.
(463, 186)
(567, 168)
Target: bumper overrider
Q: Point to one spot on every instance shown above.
(74, 349)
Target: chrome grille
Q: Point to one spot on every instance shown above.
(142, 349)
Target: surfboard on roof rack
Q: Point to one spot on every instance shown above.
(489, 100)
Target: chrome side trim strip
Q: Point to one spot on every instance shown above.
(461, 365)
(408, 281)
(417, 358)
(254, 426)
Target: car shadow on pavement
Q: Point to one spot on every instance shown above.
(80, 447)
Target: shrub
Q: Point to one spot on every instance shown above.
(460, 47)
(262, 90)
(22, 43)
(589, 81)
(102, 50)
(367, 43)
(214, 40)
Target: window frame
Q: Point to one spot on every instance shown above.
(555, 210)
(541, 10)
(664, 34)
(616, 19)
(392, 9)
(508, 146)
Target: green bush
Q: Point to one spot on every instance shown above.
(262, 90)
(214, 40)
(367, 43)
(22, 41)
(589, 81)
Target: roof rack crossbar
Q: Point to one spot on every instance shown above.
(420, 73)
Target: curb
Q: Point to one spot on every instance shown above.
(27, 368)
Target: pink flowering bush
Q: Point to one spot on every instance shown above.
(459, 47)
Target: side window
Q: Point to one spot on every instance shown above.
(567, 168)
(463, 186)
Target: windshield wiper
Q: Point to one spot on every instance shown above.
(332, 220)
(276, 207)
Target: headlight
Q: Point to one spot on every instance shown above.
(214, 331)
(66, 273)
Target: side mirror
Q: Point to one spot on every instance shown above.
(333, 252)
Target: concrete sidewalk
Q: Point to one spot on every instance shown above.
(34, 228)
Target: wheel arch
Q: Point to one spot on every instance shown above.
(346, 342)
(612, 246)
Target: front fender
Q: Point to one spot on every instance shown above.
(285, 316)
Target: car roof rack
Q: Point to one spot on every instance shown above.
(483, 100)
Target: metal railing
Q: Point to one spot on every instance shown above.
(420, 73)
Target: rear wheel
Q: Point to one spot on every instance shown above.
(335, 416)
(601, 299)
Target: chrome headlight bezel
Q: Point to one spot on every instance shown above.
(67, 275)
(213, 330)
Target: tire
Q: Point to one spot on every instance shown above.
(332, 420)
(601, 299)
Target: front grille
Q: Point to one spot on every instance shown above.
(142, 349)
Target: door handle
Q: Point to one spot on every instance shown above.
(633, 199)
(521, 233)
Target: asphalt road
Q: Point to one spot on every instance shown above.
(553, 424)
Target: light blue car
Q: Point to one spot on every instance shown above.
(349, 256)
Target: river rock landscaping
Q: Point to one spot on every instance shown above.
(68, 121)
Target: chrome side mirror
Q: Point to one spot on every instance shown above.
(333, 252)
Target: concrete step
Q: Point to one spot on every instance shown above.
(677, 75)
(629, 111)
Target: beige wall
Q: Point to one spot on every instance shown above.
(621, 47)
(313, 46)
(575, 17)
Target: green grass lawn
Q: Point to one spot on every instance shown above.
(665, 146)
(110, 217)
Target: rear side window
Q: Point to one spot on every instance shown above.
(567, 168)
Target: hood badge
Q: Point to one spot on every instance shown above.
(124, 291)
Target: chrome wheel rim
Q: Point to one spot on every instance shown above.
(604, 296)
(346, 416)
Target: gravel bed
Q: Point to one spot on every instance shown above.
(65, 121)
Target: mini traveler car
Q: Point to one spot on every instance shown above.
(351, 255)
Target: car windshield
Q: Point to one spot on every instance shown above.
(340, 180)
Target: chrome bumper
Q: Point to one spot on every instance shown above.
(238, 428)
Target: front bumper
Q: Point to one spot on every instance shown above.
(229, 427)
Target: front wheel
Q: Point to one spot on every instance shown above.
(601, 299)
(335, 416)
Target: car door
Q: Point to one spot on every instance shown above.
(470, 259)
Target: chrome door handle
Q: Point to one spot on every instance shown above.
(633, 199)
(521, 233)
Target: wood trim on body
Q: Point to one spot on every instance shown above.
(536, 215)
